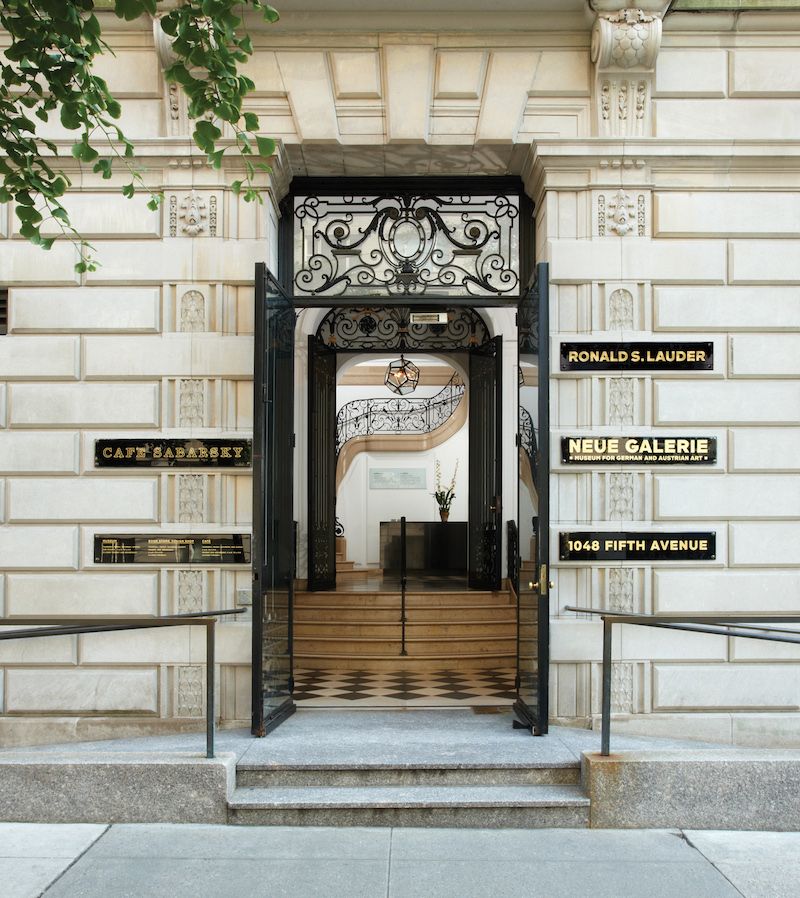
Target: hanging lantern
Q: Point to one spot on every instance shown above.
(401, 376)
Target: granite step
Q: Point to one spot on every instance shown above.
(302, 775)
(529, 806)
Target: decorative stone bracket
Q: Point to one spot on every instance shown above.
(625, 43)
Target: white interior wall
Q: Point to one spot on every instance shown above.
(361, 509)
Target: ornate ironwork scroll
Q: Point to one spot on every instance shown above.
(527, 435)
(364, 417)
(379, 328)
(407, 243)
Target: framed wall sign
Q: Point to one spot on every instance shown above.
(620, 356)
(593, 545)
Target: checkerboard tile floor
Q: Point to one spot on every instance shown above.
(432, 688)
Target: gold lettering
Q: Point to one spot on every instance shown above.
(107, 452)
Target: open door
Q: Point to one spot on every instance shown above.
(321, 465)
(485, 464)
(273, 525)
(533, 644)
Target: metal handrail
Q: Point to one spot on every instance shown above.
(365, 417)
(403, 584)
(72, 626)
(722, 625)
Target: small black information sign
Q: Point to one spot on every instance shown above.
(638, 450)
(166, 548)
(613, 356)
(593, 545)
(158, 453)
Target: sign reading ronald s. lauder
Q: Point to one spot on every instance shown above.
(613, 356)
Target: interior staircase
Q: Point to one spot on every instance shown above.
(362, 630)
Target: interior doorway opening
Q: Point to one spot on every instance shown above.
(384, 265)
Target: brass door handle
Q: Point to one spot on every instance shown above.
(550, 584)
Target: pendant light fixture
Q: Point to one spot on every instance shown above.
(402, 376)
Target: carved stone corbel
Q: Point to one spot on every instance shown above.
(625, 43)
(176, 117)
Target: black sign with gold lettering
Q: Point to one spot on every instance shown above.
(156, 453)
(638, 450)
(613, 356)
(166, 548)
(594, 545)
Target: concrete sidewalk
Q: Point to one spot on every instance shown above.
(195, 861)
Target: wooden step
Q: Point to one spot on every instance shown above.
(389, 630)
(397, 663)
(345, 614)
(413, 599)
(358, 646)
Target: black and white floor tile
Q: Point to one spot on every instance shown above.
(433, 688)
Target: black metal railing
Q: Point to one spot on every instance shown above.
(403, 584)
(513, 555)
(718, 625)
(74, 626)
(364, 417)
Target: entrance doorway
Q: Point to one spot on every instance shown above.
(396, 322)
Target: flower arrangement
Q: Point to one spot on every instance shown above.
(444, 497)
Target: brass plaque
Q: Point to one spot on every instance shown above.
(638, 450)
(157, 453)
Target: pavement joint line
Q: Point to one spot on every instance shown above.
(389, 864)
(708, 860)
(74, 861)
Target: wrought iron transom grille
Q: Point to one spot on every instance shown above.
(381, 328)
(407, 243)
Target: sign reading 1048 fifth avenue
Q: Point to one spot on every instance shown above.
(638, 450)
(620, 356)
(594, 545)
(158, 453)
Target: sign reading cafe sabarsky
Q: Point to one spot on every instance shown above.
(163, 453)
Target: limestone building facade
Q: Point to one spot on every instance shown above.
(660, 146)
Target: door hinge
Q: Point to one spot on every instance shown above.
(294, 441)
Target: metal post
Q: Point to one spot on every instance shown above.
(605, 731)
(210, 710)
(403, 586)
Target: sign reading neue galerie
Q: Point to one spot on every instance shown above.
(613, 356)
(638, 450)
(592, 545)
(156, 453)
(164, 548)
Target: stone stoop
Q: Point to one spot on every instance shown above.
(457, 796)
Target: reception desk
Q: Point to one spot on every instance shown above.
(431, 547)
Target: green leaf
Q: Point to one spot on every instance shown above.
(128, 190)
(205, 135)
(60, 213)
(266, 146)
(251, 122)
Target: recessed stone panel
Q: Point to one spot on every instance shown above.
(356, 74)
(765, 355)
(62, 595)
(40, 358)
(733, 214)
(88, 691)
(727, 119)
(726, 308)
(691, 73)
(83, 499)
(764, 73)
(765, 402)
(726, 592)
(38, 547)
(162, 645)
(38, 452)
(698, 497)
(718, 687)
(104, 214)
(459, 74)
(765, 261)
(89, 405)
(84, 309)
(765, 449)
(765, 543)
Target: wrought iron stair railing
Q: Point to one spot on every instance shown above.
(399, 415)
